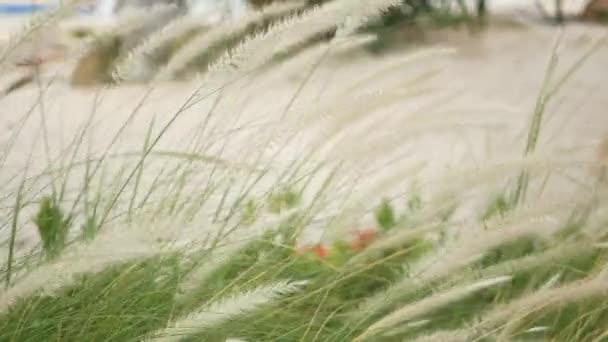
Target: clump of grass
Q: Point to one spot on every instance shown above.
(498, 206)
(53, 226)
(90, 227)
(281, 200)
(385, 215)
(250, 211)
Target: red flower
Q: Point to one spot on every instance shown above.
(320, 250)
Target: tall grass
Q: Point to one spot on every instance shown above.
(206, 240)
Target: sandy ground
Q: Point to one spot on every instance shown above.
(392, 118)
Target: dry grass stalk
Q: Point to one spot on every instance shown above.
(227, 247)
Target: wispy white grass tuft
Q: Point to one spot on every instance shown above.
(289, 33)
(552, 282)
(537, 329)
(444, 336)
(521, 308)
(227, 248)
(224, 32)
(464, 251)
(226, 309)
(403, 328)
(138, 17)
(426, 305)
(556, 255)
(110, 247)
(497, 169)
(473, 246)
(124, 69)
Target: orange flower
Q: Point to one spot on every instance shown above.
(367, 235)
(320, 250)
(363, 238)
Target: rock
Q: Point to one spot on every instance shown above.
(95, 66)
(596, 10)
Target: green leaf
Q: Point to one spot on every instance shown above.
(385, 215)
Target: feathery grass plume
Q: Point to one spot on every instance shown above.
(444, 336)
(554, 280)
(109, 247)
(95, 63)
(382, 70)
(433, 302)
(355, 115)
(466, 250)
(227, 308)
(216, 258)
(132, 19)
(558, 255)
(290, 33)
(406, 327)
(427, 222)
(37, 23)
(472, 247)
(521, 308)
(179, 27)
(361, 112)
(228, 247)
(223, 36)
(459, 181)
